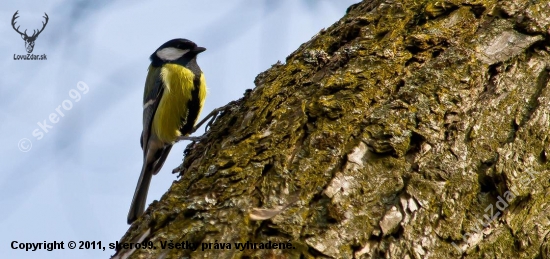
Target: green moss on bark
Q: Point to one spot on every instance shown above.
(401, 129)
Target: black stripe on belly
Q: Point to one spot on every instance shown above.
(193, 107)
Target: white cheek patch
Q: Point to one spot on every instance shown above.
(170, 53)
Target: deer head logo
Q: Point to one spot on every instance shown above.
(29, 40)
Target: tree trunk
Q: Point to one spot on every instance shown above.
(408, 129)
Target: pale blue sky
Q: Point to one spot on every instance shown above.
(77, 181)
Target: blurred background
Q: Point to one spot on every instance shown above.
(74, 179)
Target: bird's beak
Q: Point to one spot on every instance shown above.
(198, 49)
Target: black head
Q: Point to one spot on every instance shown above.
(175, 51)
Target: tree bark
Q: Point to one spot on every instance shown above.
(408, 129)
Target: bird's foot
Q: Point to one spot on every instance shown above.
(190, 138)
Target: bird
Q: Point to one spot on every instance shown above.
(174, 94)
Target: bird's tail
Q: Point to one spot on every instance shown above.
(140, 195)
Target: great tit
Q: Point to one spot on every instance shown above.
(174, 95)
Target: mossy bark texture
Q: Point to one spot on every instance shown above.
(408, 129)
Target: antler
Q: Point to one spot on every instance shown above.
(13, 24)
(43, 26)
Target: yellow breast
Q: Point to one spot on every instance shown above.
(172, 110)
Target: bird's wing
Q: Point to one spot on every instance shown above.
(151, 99)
